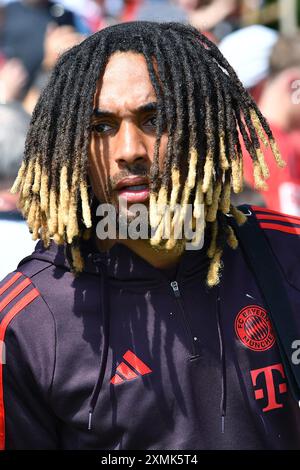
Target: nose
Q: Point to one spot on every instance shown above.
(130, 146)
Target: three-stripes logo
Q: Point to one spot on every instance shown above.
(124, 372)
(15, 294)
(272, 220)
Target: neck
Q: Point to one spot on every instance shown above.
(161, 259)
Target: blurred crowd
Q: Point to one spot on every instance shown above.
(33, 33)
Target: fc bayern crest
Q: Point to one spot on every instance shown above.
(253, 328)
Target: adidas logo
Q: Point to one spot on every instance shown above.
(126, 373)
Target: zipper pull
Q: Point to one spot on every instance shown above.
(174, 285)
(90, 420)
(222, 424)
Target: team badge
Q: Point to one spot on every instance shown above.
(253, 328)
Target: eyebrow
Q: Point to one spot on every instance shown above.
(144, 108)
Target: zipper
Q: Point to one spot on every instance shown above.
(177, 294)
(222, 360)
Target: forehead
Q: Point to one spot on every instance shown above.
(125, 82)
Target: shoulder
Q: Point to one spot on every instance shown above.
(22, 292)
(42, 306)
(27, 327)
(44, 293)
(282, 232)
(279, 228)
(18, 293)
(27, 320)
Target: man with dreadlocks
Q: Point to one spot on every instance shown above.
(140, 343)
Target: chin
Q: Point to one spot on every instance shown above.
(131, 215)
(178, 248)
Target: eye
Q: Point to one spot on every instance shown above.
(101, 128)
(151, 122)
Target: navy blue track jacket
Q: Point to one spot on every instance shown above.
(124, 357)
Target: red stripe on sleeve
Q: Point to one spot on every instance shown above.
(280, 228)
(278, 217)
(9, 283)
(17, 308)
(14, 293)
(261, 210)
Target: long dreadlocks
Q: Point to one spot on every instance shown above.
(205, 108)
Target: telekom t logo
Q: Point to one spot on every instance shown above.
(269, 391)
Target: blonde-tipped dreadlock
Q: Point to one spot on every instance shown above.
(175, 187)
(86, 210)
(237, 177)
(78, 262)
(213, 276)
(231, 238)
(28, 180)
(280, 162)
(214, 207)
(208, 172)
(225, 196)
(198, 202)
(72, 227)
(259, 177)
(190, 183)
(201, 105)
(37, 177)
(53, 214)
(44, 191)
(239, 216)
(162, 200)
(64, 199)
(224, 164)
(19, 179)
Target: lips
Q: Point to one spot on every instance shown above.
(132, 181)
(134, 189)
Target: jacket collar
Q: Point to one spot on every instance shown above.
(120, 262)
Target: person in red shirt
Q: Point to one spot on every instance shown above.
(269, 67)
(280, 104)
(283, 190)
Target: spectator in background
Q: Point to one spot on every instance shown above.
(93, 12)
(56, 41)
(15, 241)
(18, 96)
(35, 90)
(23, 26)
(158, 10)
(280, 104)
(219, 17)
(269, 66)
(248, 50)
(13, 77)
